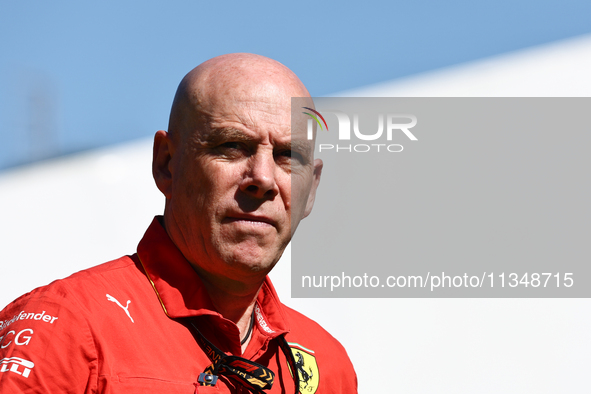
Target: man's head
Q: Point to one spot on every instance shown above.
(236, 181)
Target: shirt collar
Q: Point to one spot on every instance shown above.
(181, 291)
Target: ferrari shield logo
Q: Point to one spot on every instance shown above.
(307, 368)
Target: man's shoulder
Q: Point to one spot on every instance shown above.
(301, 326)
(118, 273)
(80, 285)
(48, 336)
(301, 323)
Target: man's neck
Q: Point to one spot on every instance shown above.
(233, 299)
(233, 305)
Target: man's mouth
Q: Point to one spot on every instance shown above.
(252, 220)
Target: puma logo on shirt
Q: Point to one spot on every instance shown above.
(113, 299)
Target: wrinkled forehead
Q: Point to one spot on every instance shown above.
(249, 92)
(254, 105)
(261, 101)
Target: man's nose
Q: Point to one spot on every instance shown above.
(259, 180)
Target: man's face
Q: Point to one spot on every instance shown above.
(232, 183)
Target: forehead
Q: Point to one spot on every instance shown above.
(256, 110)
(250, 111)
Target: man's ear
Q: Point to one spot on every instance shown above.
(161, 162)
(318, 164)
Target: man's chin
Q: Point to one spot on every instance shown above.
(253, 260)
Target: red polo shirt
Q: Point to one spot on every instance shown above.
(122, 327)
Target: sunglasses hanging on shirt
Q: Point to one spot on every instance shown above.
(252, 375)
(239, 369)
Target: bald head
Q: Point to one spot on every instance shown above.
(239, 77)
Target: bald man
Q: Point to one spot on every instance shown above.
(193, 311)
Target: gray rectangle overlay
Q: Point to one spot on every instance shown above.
(449, 197)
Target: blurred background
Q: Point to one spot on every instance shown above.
(84, 86)
(78, 75)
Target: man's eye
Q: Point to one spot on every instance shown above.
(231, 145)
(231, 149)
(292, 154)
